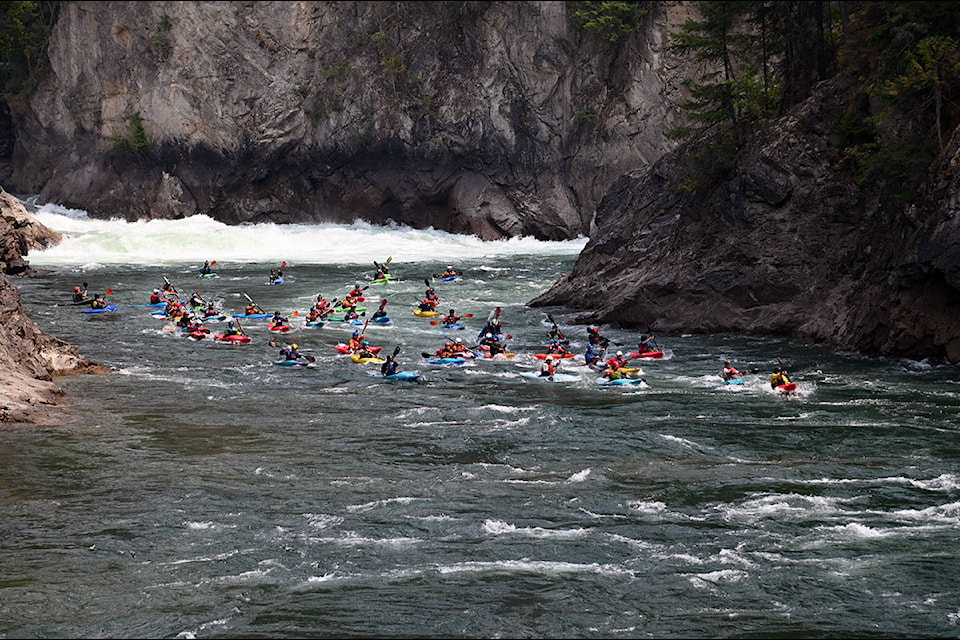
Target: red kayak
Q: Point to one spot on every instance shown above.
(232, 338)
(543, 356)
(787, 388)
(646, 354)
(197, 335)
(342, 348)
(282, 328)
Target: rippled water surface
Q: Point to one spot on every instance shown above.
(205, 492)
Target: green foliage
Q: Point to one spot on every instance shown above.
(613, 21)
(135, 139)
(160, 42)
(24, 32)
(900, 169)
(708, 163)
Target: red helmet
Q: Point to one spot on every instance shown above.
(76, 288)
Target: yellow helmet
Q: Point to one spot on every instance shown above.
(294, 345)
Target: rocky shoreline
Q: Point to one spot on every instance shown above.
(30, 359)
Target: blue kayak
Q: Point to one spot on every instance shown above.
(253, 316)
(152, 304)
(455, 325)
(451, 279)
(453, 361)
(398, 376)
(381, 320)
(604, 382)
(293, 363)
(557, 377)
(277, 281)
(733, 381)
(106, 309)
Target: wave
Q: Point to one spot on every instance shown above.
(198, 238)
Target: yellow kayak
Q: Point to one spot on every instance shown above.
(425, 314)
(356, 357)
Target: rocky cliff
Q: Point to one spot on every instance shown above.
(790, 245)
(490, 118)
(29, 358)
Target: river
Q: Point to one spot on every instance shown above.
(201, 491)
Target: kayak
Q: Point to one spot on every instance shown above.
(282, 328)
(450, 279)
(381, 320)
(383, 280)
(293, 363)
(425, 314)
(402, 375)
(345, 309)
(110, 307)
(208, 275)
(239, 339)
(398, 376)
(604, 382)
(356, 357)
(342, 348)
(318, 324)
(152, 304)
(646, 354)
(197, 335)
(543, 356)
(253, 316)
(557, 377)
(217, 317)
(455, 325)
(733, 381)
(787, 388)
(451, 361)
(277, 281)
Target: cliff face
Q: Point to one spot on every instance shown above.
(489, 118)
(790, 246)
(29, 358)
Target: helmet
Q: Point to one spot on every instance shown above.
(356, 334)
(155, 290)
(451, 311)
(449, 266)
(549, 358)
(294, 345)
(459, 340)
(76, 288)
(489, 335)
(619, 353)
(643, 337)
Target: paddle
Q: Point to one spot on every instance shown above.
(250, 300)
(239, 326)
(479, 355)
(109, 291)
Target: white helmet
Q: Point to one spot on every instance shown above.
(459, 340)
(549, 358)
(619, 353)
(489, 335)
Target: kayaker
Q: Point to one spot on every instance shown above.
(646, 344)
(779, 377)
(206, 268)
(729, 373)
(594, 338)
(232, 330)
(252, 309)
(492, 343)
(383, 270)
(618, 361)
(593, 355)
(380, 312)
(457, 349)
(355, 343)
(313, 315)
(291, 352)
(98, 302)
(556, 335)
(356, 292)
(431, 297)
(612, 372)
(210, 311)
(196, 300)
(275, 274)
(451, 318)
(350, 314)
(321, 303)
(450, 272)
(155, 297)
(80, 295)
(389, 367)
(547, 369)
(277, 320)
